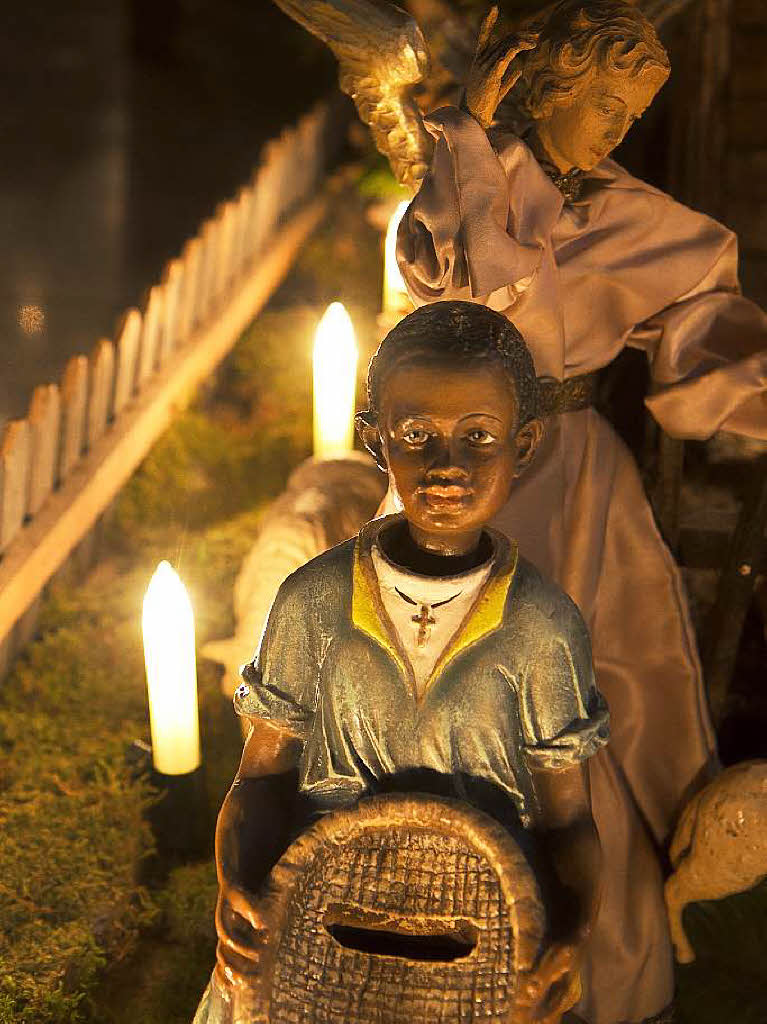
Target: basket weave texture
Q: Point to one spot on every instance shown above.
(418, 867)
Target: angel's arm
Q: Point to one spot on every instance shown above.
(479, 225)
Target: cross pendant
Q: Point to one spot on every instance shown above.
(424, 620)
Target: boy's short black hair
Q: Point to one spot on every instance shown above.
(472, 334)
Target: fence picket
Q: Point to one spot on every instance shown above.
(210, 238)
(300, 160)
(244, 203)
(315, 147)
(173, 280)
(44, 422)
(223, 272)
(264, 205)
(284, 172)
(192, 260)
(128, 339)
(150, 336)
(100, 390)
(15, 451)
(74, 397)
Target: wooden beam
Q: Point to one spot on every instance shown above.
(41, 547)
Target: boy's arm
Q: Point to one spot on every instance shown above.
(254, 817)
(252, 831)
(566, 829)
(571, 723)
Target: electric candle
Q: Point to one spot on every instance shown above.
(335, 379)
(396, 302)
(168, 627)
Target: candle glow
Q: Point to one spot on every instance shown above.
(395, 297)
(335, 379)
(168, 626)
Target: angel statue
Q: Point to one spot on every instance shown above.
(522, 209)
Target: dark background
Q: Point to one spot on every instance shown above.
(123, 125)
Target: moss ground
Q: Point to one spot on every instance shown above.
(96, 927)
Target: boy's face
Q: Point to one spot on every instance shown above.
(449, 437)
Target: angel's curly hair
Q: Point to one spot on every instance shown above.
(578, 37)
(464, 331)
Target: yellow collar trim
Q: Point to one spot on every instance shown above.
(485, 617)
(368, 614)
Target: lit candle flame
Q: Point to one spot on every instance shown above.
(168, 626)
(335, 378)
(395, 297)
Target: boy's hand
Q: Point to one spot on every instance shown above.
(555, 985)
(239, 925)
(491, 75)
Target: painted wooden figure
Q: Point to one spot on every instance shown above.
(426, 654)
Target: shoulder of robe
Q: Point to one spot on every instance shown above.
(680, 221)
(542, 607)
(322, 586)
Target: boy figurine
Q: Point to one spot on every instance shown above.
(425, 644)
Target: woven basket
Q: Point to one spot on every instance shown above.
(402, 910)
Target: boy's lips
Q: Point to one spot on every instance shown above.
(445, 492)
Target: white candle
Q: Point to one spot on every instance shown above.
(168, 626)
(396, 301)
(335, 379)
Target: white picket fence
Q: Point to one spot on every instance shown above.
(62, 465)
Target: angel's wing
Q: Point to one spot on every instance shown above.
(382, 55)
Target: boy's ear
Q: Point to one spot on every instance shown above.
(527, 440)
(367, 429)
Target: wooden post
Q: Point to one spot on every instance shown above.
(244, 206)
(699, 84)
(15, 450)
(128, 341)
(150, 337)
(74, 397)
(100, 391)
(736, 587)
(267, 186)
(173, 279)
(227, 218)
(44, 423)
(188, 316)
(210, 238)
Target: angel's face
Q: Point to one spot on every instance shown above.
(587, 127)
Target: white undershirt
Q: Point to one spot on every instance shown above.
(424, 624)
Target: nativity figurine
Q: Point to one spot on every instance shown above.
(426, 655)
(542, 225)
(520, 207)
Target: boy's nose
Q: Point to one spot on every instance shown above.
(447, 465)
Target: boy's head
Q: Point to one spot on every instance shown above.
(452, 417)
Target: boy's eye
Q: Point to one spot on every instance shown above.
(415, 436)
(479, 436)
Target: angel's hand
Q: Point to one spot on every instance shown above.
(492, 73)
